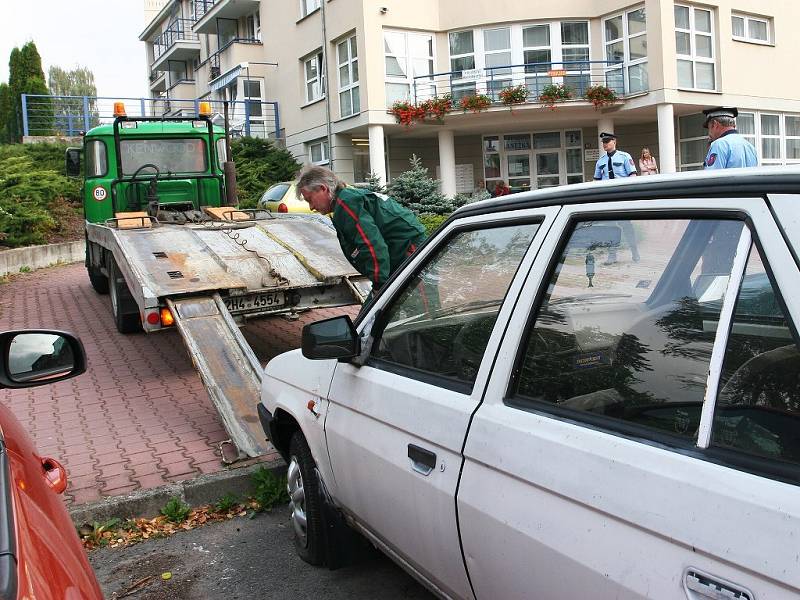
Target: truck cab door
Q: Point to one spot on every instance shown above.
(396, 426)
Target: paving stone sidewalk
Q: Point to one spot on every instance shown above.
(139, 417)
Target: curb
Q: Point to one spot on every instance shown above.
(204, 489)
(38, 257)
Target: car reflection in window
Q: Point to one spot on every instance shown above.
(636, 347)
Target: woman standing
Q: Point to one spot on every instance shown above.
(647, 163)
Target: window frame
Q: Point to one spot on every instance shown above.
(352, 89)
(756, 138)
(692, 57)
(408, 59)
(626, 37)
(541, 219)
(318, 58)
(324, 152)
(104, 154)
(309, 7)
(775, 255)
(746, 19)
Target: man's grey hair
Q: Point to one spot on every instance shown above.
(725, 121)
(311, 177)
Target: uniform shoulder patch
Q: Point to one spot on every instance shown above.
(712, 158)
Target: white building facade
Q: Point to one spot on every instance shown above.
(334, 71)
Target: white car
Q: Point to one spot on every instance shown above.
(590, 391)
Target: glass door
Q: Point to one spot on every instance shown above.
(547, 159)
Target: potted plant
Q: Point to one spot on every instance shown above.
(475, 103)
(516, 94)
(407, 112)
(438, 107)
(553, 93)
(600, 95)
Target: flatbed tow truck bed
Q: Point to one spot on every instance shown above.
(212, 276)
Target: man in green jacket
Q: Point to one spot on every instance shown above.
(375, 232)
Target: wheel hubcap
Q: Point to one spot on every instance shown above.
(297, 500)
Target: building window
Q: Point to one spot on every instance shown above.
(318, 152)
(575, 55)
(533, 161)
(308, 6)
(408, 55)
(253, 26)
(362, 169)
(694, 43)
(314, 73)
(626, 43)
(347, 56)
(751, 29)
(775, 136)
(497, 59)
(462, 58)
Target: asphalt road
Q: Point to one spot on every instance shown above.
(242, 559)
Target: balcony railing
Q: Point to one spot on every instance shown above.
(180, 30)
(201, 7)
(44, 115)
(575, 75)
(213, 60)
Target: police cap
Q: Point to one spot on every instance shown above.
(605, 136)
(719, 111)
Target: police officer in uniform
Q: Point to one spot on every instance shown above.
(614, 163)
(728, 148)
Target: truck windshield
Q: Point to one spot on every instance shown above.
(170, 156)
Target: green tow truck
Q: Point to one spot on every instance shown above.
(166, 243)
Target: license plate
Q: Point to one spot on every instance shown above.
(263, 301)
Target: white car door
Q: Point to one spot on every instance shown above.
(396, 426)
(639, 435)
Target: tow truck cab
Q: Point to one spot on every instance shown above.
(170, 167)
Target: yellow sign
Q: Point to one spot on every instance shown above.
(557, 72)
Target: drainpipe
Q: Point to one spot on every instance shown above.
(327, 84)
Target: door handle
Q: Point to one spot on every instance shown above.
(422, 461)
(700, 585)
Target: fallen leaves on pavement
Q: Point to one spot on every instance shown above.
(133, 531)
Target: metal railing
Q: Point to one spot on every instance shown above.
(74, 115)
(201, 7)
(490, 81)
(180, 30)
(213, 59)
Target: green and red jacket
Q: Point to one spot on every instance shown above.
(375, 232)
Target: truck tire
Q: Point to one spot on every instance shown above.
(126, 322)
(96, 278)
(305, 502)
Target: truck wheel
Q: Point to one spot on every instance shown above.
(120, 295)
(96, 278)
(305, 501)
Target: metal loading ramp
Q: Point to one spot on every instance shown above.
(230, 370)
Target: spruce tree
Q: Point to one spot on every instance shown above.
(419, 192)
(26, 77)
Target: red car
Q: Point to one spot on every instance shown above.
(40, 553)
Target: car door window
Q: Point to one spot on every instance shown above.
(439, 325)
(626, 325)
(758, 406)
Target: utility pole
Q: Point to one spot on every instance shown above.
(327, 84)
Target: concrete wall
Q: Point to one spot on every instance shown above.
(36, 257)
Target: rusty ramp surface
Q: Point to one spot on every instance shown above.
(230, 370)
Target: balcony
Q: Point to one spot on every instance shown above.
(176, 42)
(206, 12)
(233, 52)
(158, 81)
(575, 76)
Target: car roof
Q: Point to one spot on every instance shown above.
(718, 183)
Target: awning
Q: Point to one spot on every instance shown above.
(224, 79)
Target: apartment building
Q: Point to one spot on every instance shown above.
(333, 72)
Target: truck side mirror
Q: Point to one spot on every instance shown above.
(331, 338)
(73, 162)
